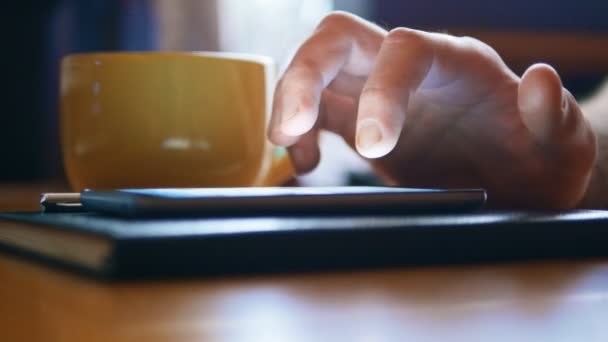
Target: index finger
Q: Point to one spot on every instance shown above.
(341, 42)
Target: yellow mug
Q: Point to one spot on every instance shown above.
(168, 119)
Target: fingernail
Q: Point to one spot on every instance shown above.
(294, 124)
(369, 134)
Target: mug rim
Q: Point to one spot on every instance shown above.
(223, 55)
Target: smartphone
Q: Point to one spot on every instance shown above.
(265, 201)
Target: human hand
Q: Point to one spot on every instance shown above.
(433, 110)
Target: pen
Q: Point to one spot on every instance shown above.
(60, 202)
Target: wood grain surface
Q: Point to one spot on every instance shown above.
(540, 301)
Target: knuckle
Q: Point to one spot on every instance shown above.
(470, 40)
(373, 91)
(474, 44)
(337, 20)
(379, 94)
(305, 70)
(383, 99)
(403, 35)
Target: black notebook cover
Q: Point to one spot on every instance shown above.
(114, 248)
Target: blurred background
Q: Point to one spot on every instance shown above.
(571, 35)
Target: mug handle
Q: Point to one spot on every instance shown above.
(280, 170)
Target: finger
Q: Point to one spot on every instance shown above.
(305, 154)
(275, 134)
(337, 114)
(341, 42)
(402, 63)
(347, 85)
(551, 113)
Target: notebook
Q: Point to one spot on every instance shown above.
(115, 248)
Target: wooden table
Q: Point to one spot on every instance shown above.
(536, 301)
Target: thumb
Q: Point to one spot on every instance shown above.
(552, 115)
